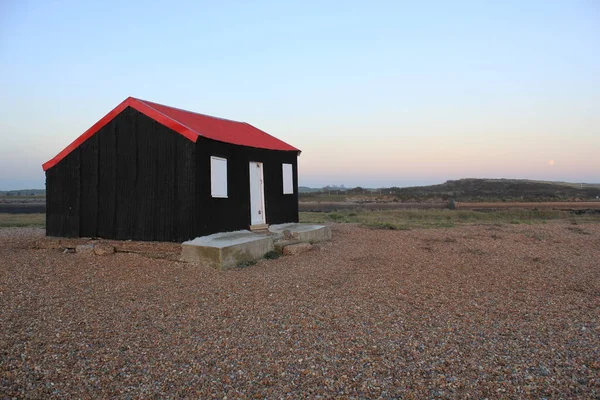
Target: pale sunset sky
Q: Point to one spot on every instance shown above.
(379, 93)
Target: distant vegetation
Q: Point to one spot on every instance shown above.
(410, 219)
(22, 220)
(306, 189)
(23, 192)
(464, 190)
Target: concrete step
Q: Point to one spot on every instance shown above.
(230, 249)
(227, 249)
(261, 228)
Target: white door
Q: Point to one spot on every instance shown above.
(257, 194)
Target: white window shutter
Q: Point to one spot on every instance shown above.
(218, 177)
(288, 179)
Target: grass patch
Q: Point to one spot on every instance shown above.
(245, 264)
(272, 255)
(22, 220)
(438, 218)
(336, 217)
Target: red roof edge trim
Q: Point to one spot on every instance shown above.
(129, 102)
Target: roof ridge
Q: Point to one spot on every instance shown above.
(188, 111)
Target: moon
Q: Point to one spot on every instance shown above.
(550, 162)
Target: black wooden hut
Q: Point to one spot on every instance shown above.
(156, 173)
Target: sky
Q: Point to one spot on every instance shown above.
(380, 93)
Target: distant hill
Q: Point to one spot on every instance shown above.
(500, 190)
(466, 190)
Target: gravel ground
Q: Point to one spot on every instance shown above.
(482, 311)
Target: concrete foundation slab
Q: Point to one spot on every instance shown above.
(227, 249)
(301, 232)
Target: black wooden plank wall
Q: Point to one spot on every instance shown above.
(107, 179)
(185, 190)
(63, 197)
(88, 178)
(145, 185)
(165, 210)
(54, 206)
(142, 191)
(126, 175)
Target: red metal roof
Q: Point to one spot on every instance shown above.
(187, 123)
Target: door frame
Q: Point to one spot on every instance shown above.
(262, 192)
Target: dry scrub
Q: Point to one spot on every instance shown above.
(417, 218)
(22, 220)
(471, 312)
